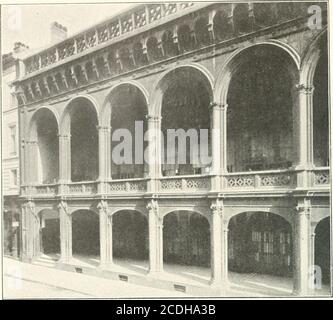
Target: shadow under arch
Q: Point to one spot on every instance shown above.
(199, 71)
(106, 109)
(260, 93)
(181, 100)
(85, 233)
(260, 243)
(130, 235)
(64, 121)
(186, 239)
(322, 248)
(44, 151)
(241, 56)
(125, 111)
(80, 121)
(49, 233)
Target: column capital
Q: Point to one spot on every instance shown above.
(63, 206)
(150, 117)
(64, 136)
(218, 106)
(304, 88)
(103, 206)
(152, 205)
(30, 205)
(217, 207)
(104, 128)
(303, 207)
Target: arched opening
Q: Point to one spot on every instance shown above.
(201, 32)
(84, 140)
(185, 39)
(260, 252)
(49, 234)
(45, 131)
(139, 57)
(85, 234)
(186, 242)
(186, 239)
(260, 242)
(222, 27)
(126, 59)
(241, 19)
(186, 98)
(320, 109)
(128, 120)
(168, 45)
(130, 238)
(260, 113)
(153, 50)
(323, 248)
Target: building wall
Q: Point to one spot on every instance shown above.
(10, 152)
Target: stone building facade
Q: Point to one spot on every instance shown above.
(255, 72)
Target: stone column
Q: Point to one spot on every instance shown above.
(303, 135)
(154, 151)
(32, 162)
(219, 143)
(301, 237)
(155, 223)
(105, 233)
(104, 158)
(65, 232)
(64, 158)
(219, 246)
(30, 232)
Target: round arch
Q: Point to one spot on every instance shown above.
(322, 249)
(33, 125)
(107, 108)
(64, 123)
(155, 101)
(186, 238)
(43, 157)
(310, 57)
(260, 242)
(239, 57)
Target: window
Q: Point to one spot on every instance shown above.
(14, 180)
(12, 139)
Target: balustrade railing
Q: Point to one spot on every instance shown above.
(84, 188)
(185, 183)
(260, 179)
(277, 179)
(321, 176)
(40, 190)
(131, 20)
(128, 185)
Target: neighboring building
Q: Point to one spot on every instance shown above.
(257, 72)
(10, 154)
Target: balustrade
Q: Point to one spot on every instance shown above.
(262, 180)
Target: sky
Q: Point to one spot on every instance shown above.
(30, 24)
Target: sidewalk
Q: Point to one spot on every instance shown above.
(20, 279)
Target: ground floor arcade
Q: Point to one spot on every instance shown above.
(212, 243)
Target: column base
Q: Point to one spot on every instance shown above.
(65, 260)
(154, 273)
(220, 284)
(107, 266)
